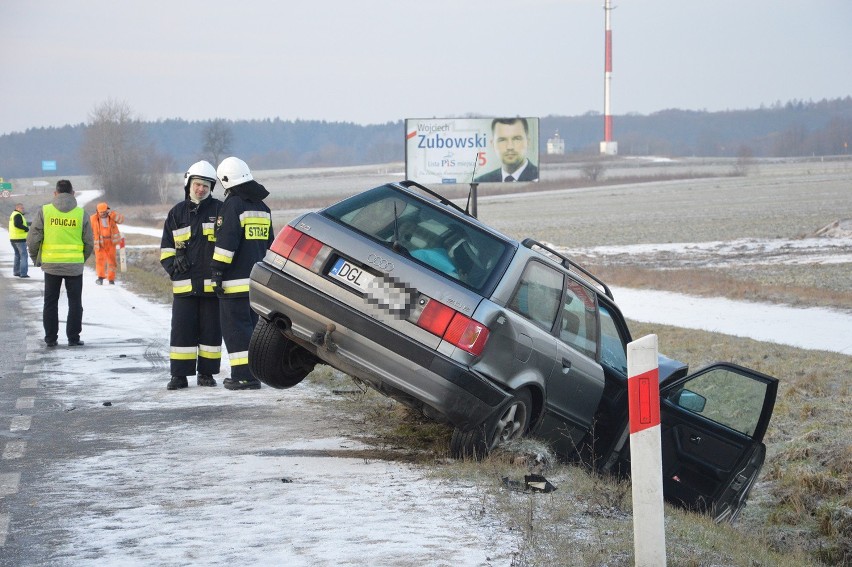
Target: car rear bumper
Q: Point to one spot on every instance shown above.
(361, 346)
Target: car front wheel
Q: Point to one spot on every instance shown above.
(275, 360)
(511, 421)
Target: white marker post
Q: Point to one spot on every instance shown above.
(646, 458)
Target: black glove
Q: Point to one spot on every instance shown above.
(216, 278)
(181, 261)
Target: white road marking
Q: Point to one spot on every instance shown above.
(29, 383)
(21, 423)
(9, 483)
(14, 450)
(25, 402)
(4, 528)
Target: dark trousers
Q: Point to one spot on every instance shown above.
(50, 316)
(19, 268)
(196, 340)
(238, 321)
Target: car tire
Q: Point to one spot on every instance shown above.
(275, 360)
(511, 421)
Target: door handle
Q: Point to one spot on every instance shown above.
(695, 439)
(566, 365)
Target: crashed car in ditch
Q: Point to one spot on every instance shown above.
(405, 291)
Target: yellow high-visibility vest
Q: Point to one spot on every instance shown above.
(16, 233)
(63, 236)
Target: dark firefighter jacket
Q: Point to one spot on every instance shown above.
(243, 234)
(191, 227)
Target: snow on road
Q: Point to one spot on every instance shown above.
(200, 487)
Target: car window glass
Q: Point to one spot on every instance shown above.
(613, 348)
(578, 326)
(729, 398)
(426, 233)
(537, 294)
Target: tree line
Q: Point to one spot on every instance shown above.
(131, 158)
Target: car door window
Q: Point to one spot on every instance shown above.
(537, 295)
(613, 346)
(726, 397)
(578, 327)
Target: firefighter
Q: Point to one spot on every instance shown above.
(107, 236)
(243, 234)
(186, 251)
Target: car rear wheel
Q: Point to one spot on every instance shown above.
(511, 421)
(275, 360)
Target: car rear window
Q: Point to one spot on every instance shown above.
(425, 232)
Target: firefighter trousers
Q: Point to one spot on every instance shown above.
(196, 339)
(238, 321)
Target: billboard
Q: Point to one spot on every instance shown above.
(466, 150)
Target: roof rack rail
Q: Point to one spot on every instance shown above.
(569, 264)
(408, 183)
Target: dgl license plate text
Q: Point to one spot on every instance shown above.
(351, 275)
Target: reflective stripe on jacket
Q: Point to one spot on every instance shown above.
(63, 236)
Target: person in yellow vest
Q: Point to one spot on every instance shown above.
(107, 237)
(60, 241)
(18, 230)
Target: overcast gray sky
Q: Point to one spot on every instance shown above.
(372, 61)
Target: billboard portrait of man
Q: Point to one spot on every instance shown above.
(510, 138)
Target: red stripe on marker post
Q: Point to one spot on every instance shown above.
(643, 394)
(646, 457)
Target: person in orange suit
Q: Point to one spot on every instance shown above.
(107, 236)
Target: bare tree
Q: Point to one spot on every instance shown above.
(163, 176)
(218, 139)
(593, 170)
(745, 162)
(116, 150)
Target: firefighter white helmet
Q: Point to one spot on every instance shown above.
(233, 171)
(201, 169)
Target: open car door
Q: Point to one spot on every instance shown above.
(712, 427)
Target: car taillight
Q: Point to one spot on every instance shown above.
(436, 317)
(298, 247)
(284, 242)
(453, 327)
(305, 252)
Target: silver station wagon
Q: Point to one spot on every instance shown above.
(405, 291)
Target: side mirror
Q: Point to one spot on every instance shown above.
(691, 401)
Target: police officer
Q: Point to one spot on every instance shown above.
(60, 241)
(18, 230)
(243, 234)
(186, 251)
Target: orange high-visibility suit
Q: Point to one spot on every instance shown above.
(107, 236)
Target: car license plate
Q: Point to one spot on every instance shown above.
(352, 275)
(390, 296)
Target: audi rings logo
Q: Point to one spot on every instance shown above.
(381, 263)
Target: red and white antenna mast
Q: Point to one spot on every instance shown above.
(608, 146)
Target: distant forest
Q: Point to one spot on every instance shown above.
(795, 128)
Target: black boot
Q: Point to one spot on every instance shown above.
(206, 380)
(177, 382)
(241, 384)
